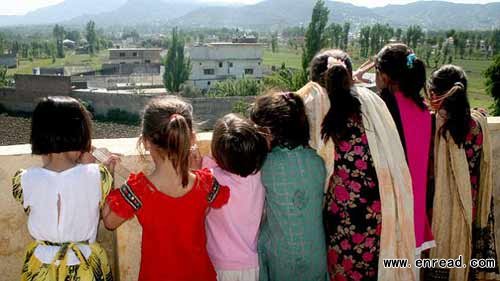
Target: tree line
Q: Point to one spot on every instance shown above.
(52, 46)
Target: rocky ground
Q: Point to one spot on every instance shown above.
(16, 130)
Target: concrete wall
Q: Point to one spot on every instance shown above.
(24, 98)
(132, 55)
(29, 88)
(206, 110)
(112, 81)
(123, 245)
(115, 68)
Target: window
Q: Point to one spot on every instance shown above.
(230, 64)
(147, 61)
(249, 71)
(209, 71)
(221, 64)
(122, 62)
(209, 83)
(134, 54)
(122, 55)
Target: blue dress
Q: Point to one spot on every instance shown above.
(292, 240)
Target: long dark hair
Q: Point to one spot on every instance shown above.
(343, 104)
(402, 67)
(447, 90)
(168, 124)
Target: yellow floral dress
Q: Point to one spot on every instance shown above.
(63, 211)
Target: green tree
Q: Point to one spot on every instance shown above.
(334, 34)
(492, 75)
(495, 41)
(364, 41)
(274, 42)
(314, 34)
(59, 33)
(177, 66)
(345, 36)
(91, 36)
(398, 34)
(74, 35)
(413, 35)
(4, 81)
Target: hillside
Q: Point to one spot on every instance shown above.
(266, 14)
(442, 15)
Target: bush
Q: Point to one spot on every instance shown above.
(236, 88)
(286, 79)
(121, 116)
(492, 75)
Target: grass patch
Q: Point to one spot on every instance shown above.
(291, 58)
(26, 66)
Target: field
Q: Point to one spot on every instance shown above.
(473, 68)
(16, 130)
(26, 66)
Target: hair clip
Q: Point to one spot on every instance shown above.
(335, 61)
(459, 84)
(288, 96)
(410, 59)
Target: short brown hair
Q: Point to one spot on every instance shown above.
(60, 124)
(237, 145)
(168, 124)
(285, 116)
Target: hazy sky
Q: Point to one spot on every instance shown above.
(17, 7)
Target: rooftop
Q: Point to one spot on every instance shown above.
(135, 49)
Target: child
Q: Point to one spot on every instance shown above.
(291, 243)
(171, 203)
(400, 76)
(63, 198)
(463, 211)
(239, 151)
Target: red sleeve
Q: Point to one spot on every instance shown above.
(129, 198)
(217, 195)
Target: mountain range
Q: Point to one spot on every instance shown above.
(267, 14)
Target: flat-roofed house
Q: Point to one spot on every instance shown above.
(133, 60)
(220, 61)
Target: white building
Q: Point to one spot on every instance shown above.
(219, 61)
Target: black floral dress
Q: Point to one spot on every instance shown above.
(352, 215)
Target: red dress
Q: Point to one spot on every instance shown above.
(173, 237)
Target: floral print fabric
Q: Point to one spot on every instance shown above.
(353, 217)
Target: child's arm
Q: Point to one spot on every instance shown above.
(111, 220)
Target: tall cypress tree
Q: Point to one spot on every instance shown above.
(314, 33)
(177, 67)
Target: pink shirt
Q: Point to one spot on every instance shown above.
(417, 127)
(232, 231)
